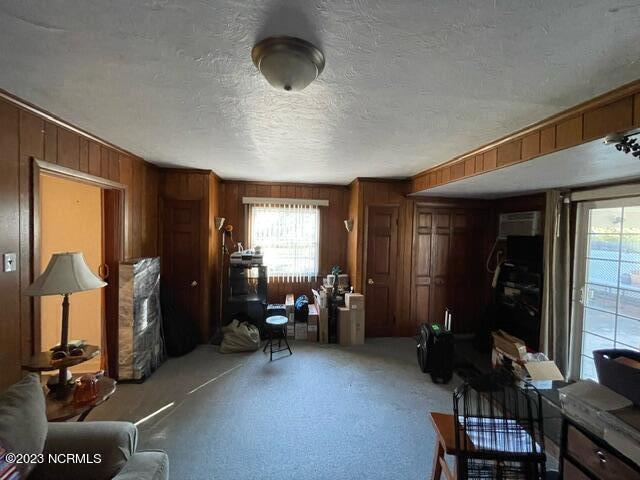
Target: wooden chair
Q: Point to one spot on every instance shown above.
(444, 427)
(495, 431)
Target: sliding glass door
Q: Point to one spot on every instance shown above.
(606, 279)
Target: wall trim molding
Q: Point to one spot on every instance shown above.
(66, 172)
(50, 117)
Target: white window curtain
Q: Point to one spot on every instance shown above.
(289, 236)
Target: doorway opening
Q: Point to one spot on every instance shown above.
(75, 211)
(71, 220)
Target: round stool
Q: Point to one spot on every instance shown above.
(276, 325)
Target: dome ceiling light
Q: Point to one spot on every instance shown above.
(288, 63)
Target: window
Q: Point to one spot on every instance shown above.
(608, 270)
(288, 235)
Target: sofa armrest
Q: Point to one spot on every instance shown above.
(100, 450)
(146, 465)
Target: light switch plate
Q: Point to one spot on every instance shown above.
(9, 262)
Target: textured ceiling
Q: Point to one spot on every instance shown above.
(408, 84)
(592, 163)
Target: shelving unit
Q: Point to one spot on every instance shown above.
(519, 301)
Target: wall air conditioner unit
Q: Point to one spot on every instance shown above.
(520, 223)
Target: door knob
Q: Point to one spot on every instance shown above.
(370, 281)
(194, 284)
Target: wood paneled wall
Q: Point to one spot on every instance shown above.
(26, 134)
(367, 192)
(333, 235)
(203, 186)
(354, 261)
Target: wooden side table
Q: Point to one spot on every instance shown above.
(60, 410)
(41, 362)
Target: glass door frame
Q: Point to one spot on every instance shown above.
(580, 268)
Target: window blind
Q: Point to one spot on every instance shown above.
(289, 236)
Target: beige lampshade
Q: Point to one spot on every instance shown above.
(66, 273)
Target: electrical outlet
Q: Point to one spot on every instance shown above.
(9, 262)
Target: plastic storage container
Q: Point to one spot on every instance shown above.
(620, 378)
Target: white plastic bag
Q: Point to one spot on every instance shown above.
(239, 337)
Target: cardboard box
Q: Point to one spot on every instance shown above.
(629, 362)
(312, 333)
(357, 327)
(289, 303)
(532, 370)
(301, 331)
(344, 326)
(323, 325)
(354, 301)
(544, 371)
(313, 315)
(498, 358)
(512, 346)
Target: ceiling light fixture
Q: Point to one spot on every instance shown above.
(624, 143)
(288, 63)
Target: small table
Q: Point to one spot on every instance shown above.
(60, 410)
(41, 362)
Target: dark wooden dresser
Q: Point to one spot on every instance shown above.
(587, 457)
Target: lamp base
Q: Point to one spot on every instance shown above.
(60, 390)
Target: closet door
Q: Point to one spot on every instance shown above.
(440, 254)
(422, 242)
(463, 285)
(448, 265)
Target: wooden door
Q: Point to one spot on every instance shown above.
(432, 246)
(382, 243)
(422, 245)
(440, 246)
(447, 265)
(464, 279)
(181, 262)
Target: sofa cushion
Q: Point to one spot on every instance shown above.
(146, 465)
(104, 447)
(23, 420)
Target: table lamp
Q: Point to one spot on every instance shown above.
(65, 274)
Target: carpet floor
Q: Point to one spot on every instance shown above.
(327, 412)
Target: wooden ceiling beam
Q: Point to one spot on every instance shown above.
(616, 111)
